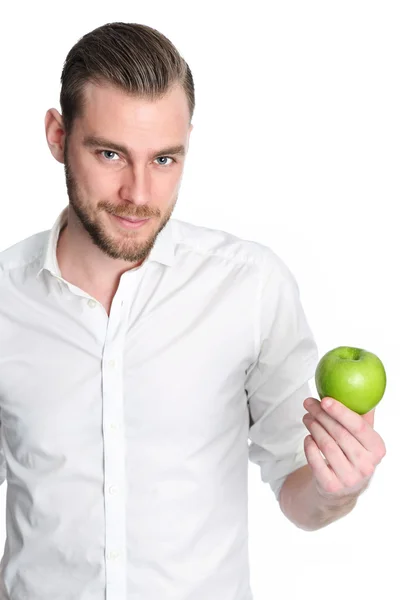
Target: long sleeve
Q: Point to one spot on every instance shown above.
(278, 382)
(3, 471)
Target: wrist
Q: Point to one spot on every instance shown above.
(331, 502)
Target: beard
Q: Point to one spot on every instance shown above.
(125, 245)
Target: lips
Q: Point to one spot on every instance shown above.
(132, 220)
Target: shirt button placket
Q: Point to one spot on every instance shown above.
(114, 463)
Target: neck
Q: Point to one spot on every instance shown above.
(84, 272)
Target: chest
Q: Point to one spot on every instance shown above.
(167, 373)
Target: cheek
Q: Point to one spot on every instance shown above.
(97, 182)
(167, 186)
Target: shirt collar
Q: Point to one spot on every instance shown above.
(163, 250)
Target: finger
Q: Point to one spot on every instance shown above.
(353, 422)
(351, 447)
(369, 417)
(323, 474)
(342, 467)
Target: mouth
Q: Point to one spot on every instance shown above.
(130, 222)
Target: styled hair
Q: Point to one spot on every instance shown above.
(133, 57)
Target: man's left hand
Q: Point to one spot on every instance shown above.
(351, 446)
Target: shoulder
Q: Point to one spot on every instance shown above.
(226, 246)
(23, 253)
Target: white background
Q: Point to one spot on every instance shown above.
(295, 145)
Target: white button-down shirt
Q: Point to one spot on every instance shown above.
(125, 438)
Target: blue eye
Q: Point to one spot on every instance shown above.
(165, 157)
(109, 152)
(106, 154)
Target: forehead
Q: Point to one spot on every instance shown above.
(106, 105)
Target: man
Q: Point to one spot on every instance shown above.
(140, 353)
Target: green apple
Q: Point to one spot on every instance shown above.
(353, 376)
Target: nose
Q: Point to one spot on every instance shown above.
(136, 185)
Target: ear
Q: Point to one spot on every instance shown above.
(55, 133)
(188, 136)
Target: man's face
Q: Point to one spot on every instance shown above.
(138, 182)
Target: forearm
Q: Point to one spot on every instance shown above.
(302, 504)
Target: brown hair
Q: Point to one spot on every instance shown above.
(133, 57)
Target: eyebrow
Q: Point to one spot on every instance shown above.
(92, 141)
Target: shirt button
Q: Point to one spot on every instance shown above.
(92, 303)
(113, 555)
(111, 363)
(113, 426)
(113, 489)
